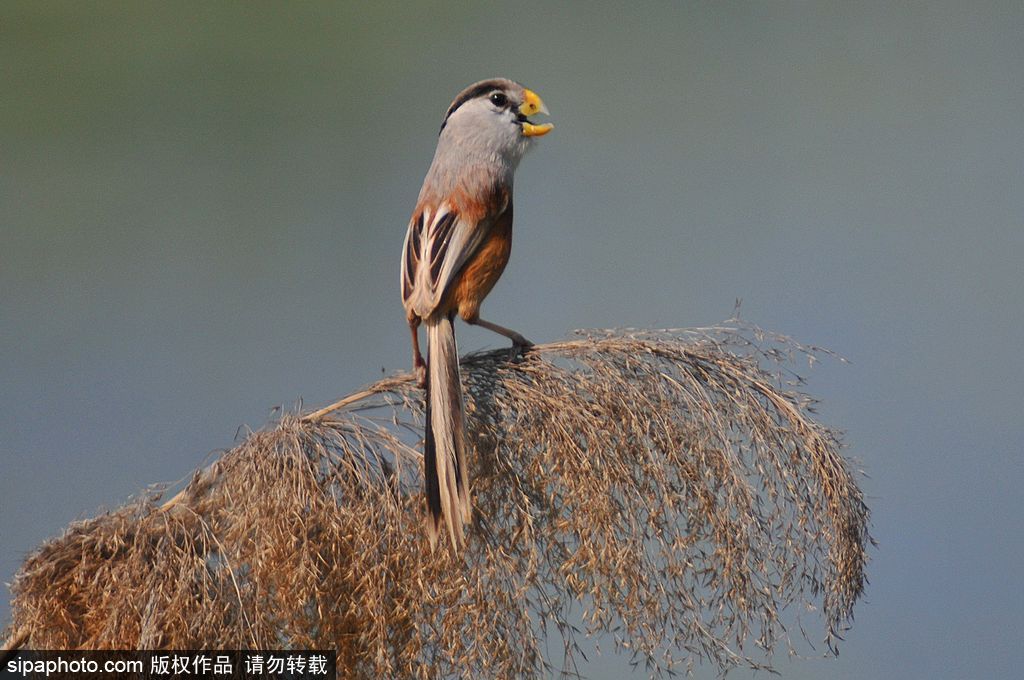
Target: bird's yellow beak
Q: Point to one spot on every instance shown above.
(532, 104)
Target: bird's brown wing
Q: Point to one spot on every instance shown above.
(437, 245)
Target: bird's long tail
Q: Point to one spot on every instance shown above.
(446, 474)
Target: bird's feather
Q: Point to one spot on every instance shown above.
(437, 245)
(447, 478)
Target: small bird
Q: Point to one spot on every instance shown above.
(456, 247)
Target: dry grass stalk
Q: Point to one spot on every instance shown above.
(667, 484)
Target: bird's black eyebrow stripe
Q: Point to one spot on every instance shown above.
(473, 92)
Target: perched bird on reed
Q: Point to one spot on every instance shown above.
(457, 245)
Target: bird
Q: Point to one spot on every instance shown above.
(456, 247)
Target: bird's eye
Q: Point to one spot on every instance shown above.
(499, 99)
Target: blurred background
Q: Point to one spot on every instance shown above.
(202, 211)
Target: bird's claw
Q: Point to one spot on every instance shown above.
(520, 345)
(520, 341)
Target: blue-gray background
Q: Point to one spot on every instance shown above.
(202, 210)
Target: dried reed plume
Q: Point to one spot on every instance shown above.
(665, 490)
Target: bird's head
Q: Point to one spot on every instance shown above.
(493, 117)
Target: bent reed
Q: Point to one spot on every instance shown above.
(665, 492)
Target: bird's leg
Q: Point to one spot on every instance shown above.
(419, 366)
(519, 343)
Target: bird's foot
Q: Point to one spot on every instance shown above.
(520, 345)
